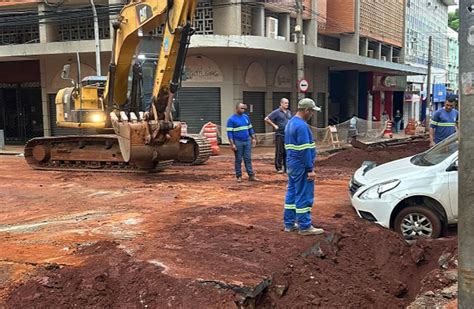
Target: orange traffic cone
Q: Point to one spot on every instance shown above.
(388, 129)
(209, 130)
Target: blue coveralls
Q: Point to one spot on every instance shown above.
(300, 156)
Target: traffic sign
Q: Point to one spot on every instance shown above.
(303, 85)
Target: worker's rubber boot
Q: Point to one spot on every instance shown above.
(311, 231)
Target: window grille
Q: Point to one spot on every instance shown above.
(20, 34)
(76, 29)
(203, 19)
(246, 13)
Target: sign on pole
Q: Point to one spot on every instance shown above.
(303, 85)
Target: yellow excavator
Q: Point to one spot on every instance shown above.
(132, 108)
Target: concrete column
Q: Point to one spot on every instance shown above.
(350, 42)
(364, 47)
(311, 27)
(378, 51)
(227, 17)
(258, 20)
(284, 25)
(47, 31)
(390, 54)
(44, 98)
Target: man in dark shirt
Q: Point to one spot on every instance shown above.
(278, 120)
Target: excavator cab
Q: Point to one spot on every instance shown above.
(81, 106)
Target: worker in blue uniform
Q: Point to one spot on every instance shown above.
(300, 156)
(241, 137)
(444, 121)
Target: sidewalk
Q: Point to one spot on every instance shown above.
(12, 150)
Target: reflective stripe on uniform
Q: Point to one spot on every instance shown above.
(239, 128)
(300, 147)
(290, 206)
(443, 124)
(303, 210)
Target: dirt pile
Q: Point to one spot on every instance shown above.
(356, 265)
(353, 157)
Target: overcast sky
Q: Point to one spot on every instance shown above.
(452, 8)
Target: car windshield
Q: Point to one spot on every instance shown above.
(437, 153)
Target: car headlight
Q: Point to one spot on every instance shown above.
(376, 191)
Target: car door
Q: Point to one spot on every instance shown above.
(453, 188)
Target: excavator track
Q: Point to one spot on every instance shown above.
(98, 153)
(198, 153)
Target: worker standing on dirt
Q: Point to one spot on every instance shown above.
(444, 121)
(241, 138)
(301, 154)
(278, 120)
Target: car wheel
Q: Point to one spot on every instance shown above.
(418, 221)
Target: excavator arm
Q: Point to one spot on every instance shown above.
(144, 137)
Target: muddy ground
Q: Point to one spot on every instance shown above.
(191, 237)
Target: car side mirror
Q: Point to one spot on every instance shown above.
(453, 167)
(66, 71)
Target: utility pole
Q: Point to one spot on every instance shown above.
(466, 148)
(299, 45)
(96, 38)
(428, 86)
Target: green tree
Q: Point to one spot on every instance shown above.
(453, 20)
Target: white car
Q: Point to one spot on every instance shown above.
(415, 196)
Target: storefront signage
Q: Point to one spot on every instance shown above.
(389, 83)
(202, 69)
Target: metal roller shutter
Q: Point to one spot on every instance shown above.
(198, 105)
(256, 109)
(57, 131)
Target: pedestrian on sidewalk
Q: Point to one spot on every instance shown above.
(398, 121)
(278, 120)
(241, 137)
(352, 133)
(301, 154)
(444, 121)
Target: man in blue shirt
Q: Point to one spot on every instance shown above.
(241, 138)
(278, 120)
(300, 157)
(444, 121)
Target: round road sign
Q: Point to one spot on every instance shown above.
(303, 85)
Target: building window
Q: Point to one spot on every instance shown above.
(203, 19)
(76, 29)
(246, 19)
(19, 28)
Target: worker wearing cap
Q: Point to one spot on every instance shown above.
(300, 157)
(444, 121)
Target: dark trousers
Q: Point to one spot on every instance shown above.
(244, 150)
(280, 153)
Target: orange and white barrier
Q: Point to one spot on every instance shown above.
(388, 131)
(209, 130)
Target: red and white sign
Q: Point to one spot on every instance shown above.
(303, 85)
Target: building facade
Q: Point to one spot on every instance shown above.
(424, 19)
(453, 62)
(240, 52)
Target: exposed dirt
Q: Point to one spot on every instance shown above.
(193, 237)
